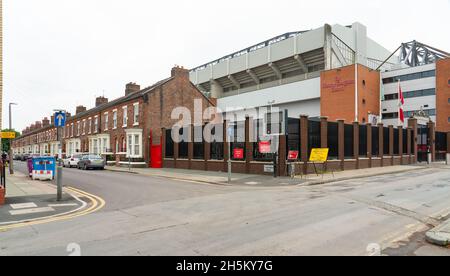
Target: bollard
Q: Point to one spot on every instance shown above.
(429, 159)
(59, 186)
(447, 160)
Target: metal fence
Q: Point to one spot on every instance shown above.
(441, 146)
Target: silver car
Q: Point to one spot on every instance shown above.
(72, 161)
(91, 162)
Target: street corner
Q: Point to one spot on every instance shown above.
(21, 211)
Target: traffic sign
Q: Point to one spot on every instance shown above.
(60, 119)
(8, 135)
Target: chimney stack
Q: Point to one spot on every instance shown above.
(80, 109)
(38, 125)
(132, 88)
(52, 119)
(180, 72)
(45, 122)
(100, 101)
(32, 127)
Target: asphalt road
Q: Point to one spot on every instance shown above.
(126, 190)
(154, 216)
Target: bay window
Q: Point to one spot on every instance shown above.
(134, 142)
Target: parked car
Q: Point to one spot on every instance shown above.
(72, 161)
(91, 162)
(25, 157)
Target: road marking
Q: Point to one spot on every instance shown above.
(23, 205)
(31, 211)
(97, 204)
(63, 205)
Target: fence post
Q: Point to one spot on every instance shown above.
(381, 143)
(356, 143)
(341, 142)
(190, 145)
(324, 132)
(206, 150)
(304, 142)
(412, 122)
(432, 137)
(448, 149)
(248, 144)
(226, 155)
(369, 144)
(400, 144)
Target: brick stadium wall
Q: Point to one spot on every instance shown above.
(443, 95)
(302, 165)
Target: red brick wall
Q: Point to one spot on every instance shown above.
(443, 95)
(338, 93)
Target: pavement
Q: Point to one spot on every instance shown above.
(28, 200)
(440, 235)
(149, 215)
(221, 178)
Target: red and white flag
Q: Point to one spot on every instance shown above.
(401, 103)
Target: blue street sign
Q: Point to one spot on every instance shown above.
(60, 119)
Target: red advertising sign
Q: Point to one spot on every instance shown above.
(238, 153)
(265, 147)
(293, 155)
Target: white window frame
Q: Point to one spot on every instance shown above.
(136, 114)
(71, 130)
(78, 128)
(131, 145)
(84, 127)
(115, 119)
(96, 124)
(106, 116)
(90, 125)
(125, 116)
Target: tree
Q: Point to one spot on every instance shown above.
(6, 143)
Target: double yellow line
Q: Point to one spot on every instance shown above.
(97, 203)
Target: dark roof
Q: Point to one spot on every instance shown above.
(123, 99)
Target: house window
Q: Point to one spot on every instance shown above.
(134, 142)
(84, 127)
(114, 119)
(125, 116)
(117, 145)
(71, 130)
(95, 124)
(106, 121)
(78, 128)
(90, 126)
(136, 114)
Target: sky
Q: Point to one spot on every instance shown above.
(62, 53)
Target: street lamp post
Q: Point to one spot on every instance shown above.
(11, 159)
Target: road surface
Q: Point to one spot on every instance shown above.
(155, 216)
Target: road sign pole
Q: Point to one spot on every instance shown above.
(59, 177)
(60, 122)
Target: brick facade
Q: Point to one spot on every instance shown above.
(443, 95)
(97, 131)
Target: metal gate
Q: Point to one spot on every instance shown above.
(3, 174)
(423, 143)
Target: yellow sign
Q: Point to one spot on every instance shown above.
(319, 155)
(8, 135)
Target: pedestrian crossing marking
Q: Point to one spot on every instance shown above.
(23, 205)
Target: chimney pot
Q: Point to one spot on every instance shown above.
(100, 101)
(80, 109)
(132, 88)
